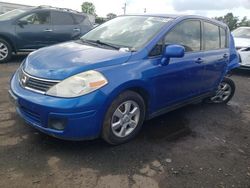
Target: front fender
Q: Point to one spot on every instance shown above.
(9, 38)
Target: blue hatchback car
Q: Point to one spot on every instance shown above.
(123, 72)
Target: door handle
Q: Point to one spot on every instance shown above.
(76, 29)
(225, 56)
(199, 60)
(48, 30)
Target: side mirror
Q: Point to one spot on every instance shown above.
(172, 51)
(22, 22)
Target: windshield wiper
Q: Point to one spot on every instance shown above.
(105, 44)
(89, 42)
(116, 47)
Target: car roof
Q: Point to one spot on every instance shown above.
(181, 16)
(45, 7)
(155, 15)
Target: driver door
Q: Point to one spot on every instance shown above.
(34, 30)
(182, 78)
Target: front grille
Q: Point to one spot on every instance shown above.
(35, 84)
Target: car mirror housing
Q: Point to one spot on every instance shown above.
(172, 51)
(22, 22)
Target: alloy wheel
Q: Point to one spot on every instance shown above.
(3, 51)
(223, 93)
(125, 119)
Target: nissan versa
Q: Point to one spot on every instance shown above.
(125, 71)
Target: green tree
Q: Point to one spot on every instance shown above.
(111, 16)
(88, 8)
(230, 20)
(99, 20)
(244, 22)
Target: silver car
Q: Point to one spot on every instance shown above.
(242, 43)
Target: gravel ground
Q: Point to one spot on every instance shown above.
(197, 146)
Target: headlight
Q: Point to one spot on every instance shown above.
(77, 85)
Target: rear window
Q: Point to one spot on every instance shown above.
(62, 18)
(211, 36)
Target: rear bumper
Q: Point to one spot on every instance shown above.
(82, 116)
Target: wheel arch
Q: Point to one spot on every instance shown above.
(137, 86)
(7, 39)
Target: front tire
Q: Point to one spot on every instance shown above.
(5, 51)
(124, 118)
(225, 92)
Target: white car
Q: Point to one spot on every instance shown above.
(242, 44)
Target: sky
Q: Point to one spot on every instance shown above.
(209, 8)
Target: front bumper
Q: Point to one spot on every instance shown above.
(83, 116)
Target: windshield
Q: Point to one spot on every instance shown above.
(12, 14)
(242, 33)
(127, 31)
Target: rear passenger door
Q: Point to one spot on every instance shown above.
(83, 23)
(216, 54)
(64, 26)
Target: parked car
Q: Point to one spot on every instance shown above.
(125, 71)
(24, 30)
(242, 43)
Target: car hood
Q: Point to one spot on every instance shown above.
(242, 42)
(66, 59)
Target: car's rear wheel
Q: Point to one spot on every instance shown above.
(224, 93)
(124, 118)
(5, 51)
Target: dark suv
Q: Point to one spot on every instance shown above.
(24, 30)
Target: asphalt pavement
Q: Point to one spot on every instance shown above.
(202, 145)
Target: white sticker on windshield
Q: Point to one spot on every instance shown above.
(159, 19)
(124, 49)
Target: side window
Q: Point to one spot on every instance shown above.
(211, 36)
(187, 34)
(62, 18)
(38, 18)
(78, 18)
(223, 38)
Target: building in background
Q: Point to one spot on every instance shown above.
(5, 7)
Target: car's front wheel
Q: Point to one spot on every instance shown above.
(124, 118)
(224, 93)
(5, 51)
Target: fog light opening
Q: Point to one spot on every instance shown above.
(57, 124)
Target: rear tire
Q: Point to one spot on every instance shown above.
(5, 51)
(225, 92)
(124, 118)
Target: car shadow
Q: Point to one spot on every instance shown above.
(240, 72)
(18, 58)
